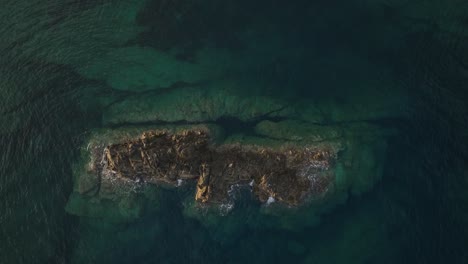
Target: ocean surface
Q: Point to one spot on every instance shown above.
(70, 67)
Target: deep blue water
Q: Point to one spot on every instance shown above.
(402, 65)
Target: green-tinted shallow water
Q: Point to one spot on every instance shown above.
(70, 67)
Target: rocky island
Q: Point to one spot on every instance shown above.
(290, 163)
(288, 175)
(207, 122)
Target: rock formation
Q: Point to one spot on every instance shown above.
(288, 175)
(288, 162)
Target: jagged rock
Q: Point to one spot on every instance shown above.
(158, 157)
(97, 195)
(288, 175)
(294, 164)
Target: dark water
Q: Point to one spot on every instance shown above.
(404, 63)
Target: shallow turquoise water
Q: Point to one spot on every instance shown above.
(394, 64)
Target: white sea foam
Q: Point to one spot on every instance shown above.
(270, 200)
(226, 208)
(233, 189)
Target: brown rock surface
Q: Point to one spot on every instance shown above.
(288, 175)
(159, 156)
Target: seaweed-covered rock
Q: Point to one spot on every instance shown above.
(293, 130)
(194, 104)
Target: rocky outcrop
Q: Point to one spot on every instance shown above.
(158, 157)
(289, 175)
(290, 162)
